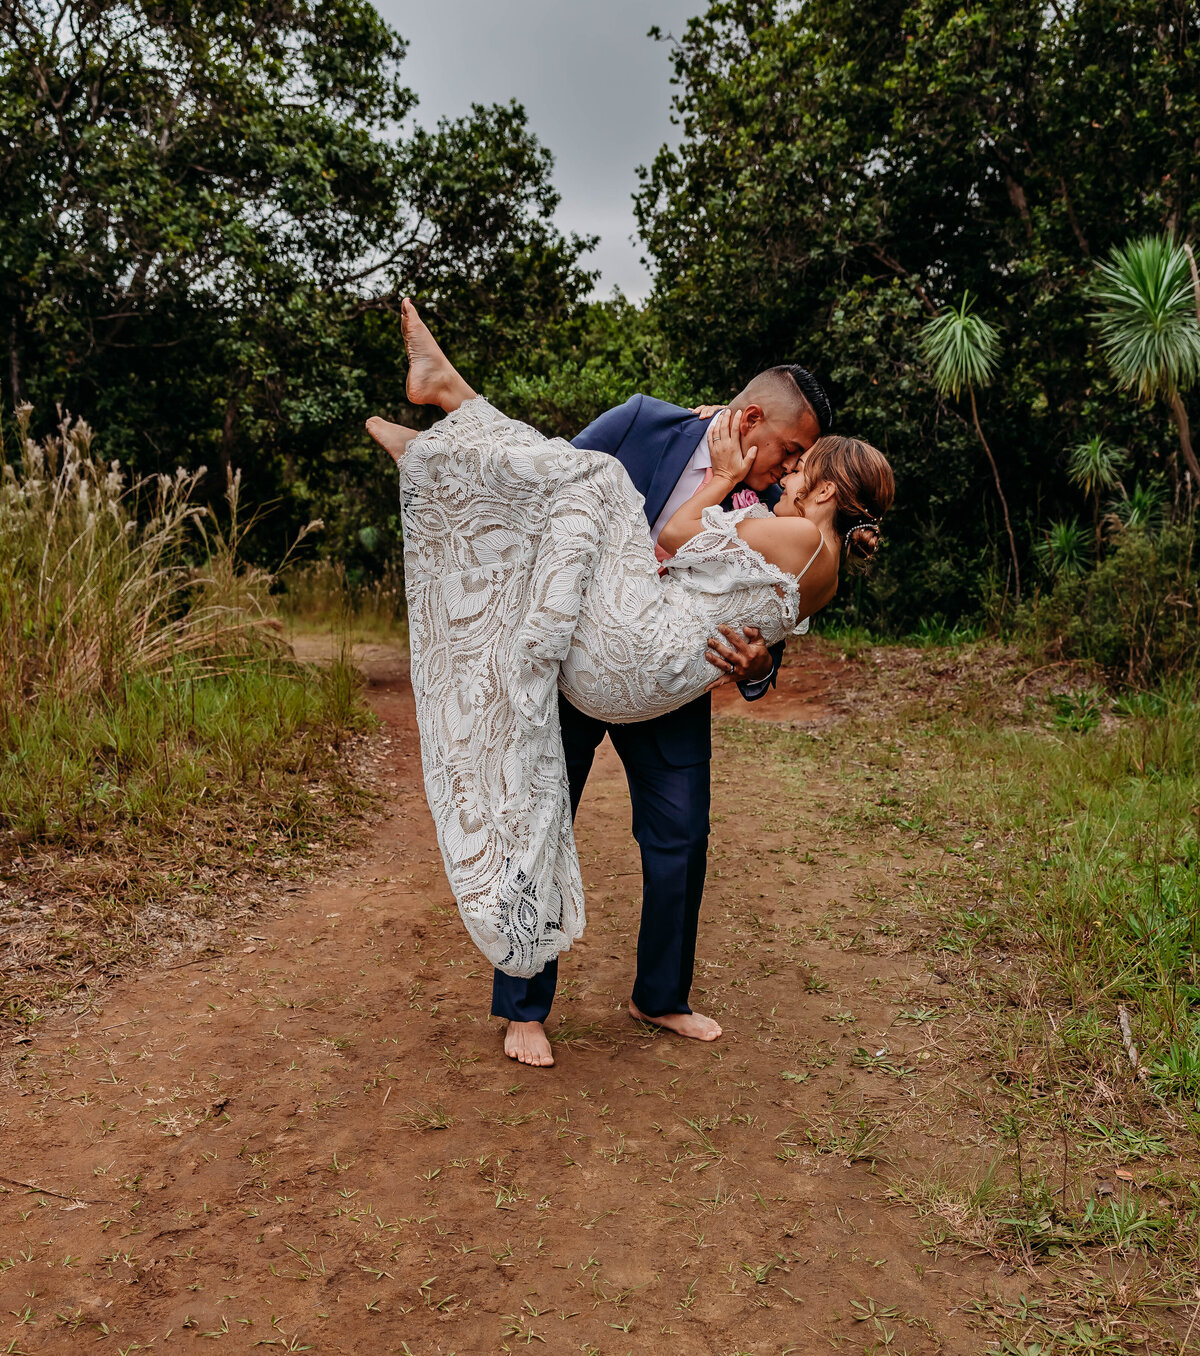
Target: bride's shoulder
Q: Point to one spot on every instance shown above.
(789, 543)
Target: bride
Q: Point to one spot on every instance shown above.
(529, 568)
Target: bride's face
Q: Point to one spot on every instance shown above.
(793, 490)
(799, 498)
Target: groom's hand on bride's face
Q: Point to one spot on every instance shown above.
(742, 656)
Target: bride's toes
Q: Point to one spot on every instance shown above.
(393, 438)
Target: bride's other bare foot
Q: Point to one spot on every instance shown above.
(526, 1042)
(693, 1024)
(432, 378)
(393, 438)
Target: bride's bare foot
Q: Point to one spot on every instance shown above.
(693, 1024)
(432, 377)
(393, 438)
(526, 1042)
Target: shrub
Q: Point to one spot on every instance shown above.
(1137, 613)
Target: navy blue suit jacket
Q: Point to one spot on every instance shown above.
(654, 441)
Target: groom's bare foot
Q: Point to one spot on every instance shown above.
(393, 438)
(432, 377)
(693, 1024)
(526, 1042)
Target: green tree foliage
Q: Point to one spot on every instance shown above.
(1149, 330)
(209, 218)
(1094, 466)
(962, 349)
(846, 170)
(1063, 549)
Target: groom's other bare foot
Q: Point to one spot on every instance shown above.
(393, 438)
(432, 378)
(693, 1024)
(526, 1042)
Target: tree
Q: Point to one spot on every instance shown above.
(840, 165)
(962, 348)
(1094, 466)
(209, 217)
(1148, 330)
(1063, 549)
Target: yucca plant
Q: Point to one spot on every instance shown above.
(1063, 549)
(962, 349)
(1148, 326)
(1093, 467)
(1142, 508)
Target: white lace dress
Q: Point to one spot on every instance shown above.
(528, 569)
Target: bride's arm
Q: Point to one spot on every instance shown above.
(730, 466)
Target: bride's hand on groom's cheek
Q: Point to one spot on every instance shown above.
(742, 656)
(729, 458)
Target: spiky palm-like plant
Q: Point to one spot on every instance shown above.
(1095, 466)
(1141, 508)
(1063, 549)
(962, 348)
(1148, 326)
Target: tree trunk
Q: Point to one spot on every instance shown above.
(1185, 438)
(1012, 541)
(1195, 278)
(225, 452)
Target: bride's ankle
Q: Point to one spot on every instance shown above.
(457, 393)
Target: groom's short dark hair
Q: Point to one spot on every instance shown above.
(811, 389)
(793, 383)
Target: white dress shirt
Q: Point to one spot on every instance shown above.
(687, 484)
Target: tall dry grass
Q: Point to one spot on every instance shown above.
(320, 596)
(156, 736)
(103, 576)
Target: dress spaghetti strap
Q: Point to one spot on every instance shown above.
(811, 558)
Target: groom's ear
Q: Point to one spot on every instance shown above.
(752, 416)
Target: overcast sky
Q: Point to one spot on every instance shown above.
(596, 89)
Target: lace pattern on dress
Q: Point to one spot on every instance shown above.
(738, 563)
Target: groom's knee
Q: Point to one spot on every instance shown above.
(675, 825)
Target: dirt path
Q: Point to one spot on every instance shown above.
(312, 1141)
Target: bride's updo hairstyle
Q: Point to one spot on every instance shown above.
(864, 485)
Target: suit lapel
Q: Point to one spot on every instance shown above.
(680, 442)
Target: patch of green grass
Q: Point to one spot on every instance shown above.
(165, 750)
(1055, 885)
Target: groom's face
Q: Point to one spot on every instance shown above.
(781, 437)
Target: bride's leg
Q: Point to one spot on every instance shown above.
(432, 377)
(432, 380)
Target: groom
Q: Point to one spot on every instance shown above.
(665, 450)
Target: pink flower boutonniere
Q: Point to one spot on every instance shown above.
(745, 498)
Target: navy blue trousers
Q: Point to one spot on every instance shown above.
(670, 824)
